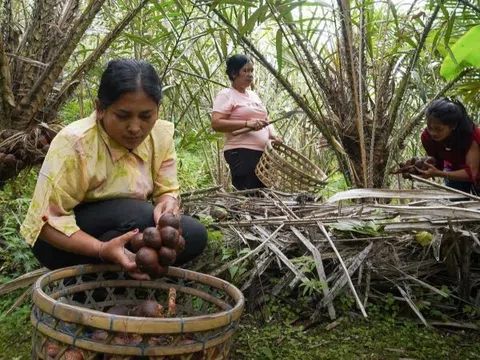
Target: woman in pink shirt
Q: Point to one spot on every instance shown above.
(236, 108)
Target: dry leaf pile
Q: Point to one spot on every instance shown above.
(364, 242)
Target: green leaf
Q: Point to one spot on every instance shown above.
(464, 53)
(279, 50)
(252, 20)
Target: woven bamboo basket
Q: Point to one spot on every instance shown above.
(284, 169)
(69, 307)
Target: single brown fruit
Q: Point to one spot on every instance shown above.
(152, 238)
(52, 349)
(160, 271)
(180, 245)
(166, 256)
(120, 310)
(408, 162)
(169, 220)
(149, 308)
(169, 237)
(99, 335)
(137, 242)
(134, 339)
(419, 164)
(402, 165)
(146, 259)
(431, 160)
(73, 354)
(406, 175)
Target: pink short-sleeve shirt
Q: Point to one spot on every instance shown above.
(243, 106)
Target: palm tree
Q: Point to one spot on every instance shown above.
(35, 75)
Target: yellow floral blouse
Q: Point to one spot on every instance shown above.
(85, 164)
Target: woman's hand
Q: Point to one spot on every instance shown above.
(257, 124)
(114, 251)
(431, 171)
(166, 204)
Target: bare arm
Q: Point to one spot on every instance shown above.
(83, 244)
(472, 161)
(221, 123)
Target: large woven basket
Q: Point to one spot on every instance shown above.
(284, 169)
(208, 310)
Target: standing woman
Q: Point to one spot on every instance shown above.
(237, 108)
(453, 140)
(108, 177)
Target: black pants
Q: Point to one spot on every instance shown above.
(108, 219)
(242, 163)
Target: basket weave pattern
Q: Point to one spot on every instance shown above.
(284, 169)
(69, 307)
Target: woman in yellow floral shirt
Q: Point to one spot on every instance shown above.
(100, 172)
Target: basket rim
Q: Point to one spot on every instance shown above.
(271, 146)
(98, 319)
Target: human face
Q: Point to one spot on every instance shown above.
(130, 119)
(437, 130)
(244, 77)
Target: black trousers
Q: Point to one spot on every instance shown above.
(108, 219)
(242, 163)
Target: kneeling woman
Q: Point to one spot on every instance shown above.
(93, 191)
(453, 140)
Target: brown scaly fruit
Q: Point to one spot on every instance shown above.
(166, 256)
(99, 335)
(169, 220)
(52, 349)
(137, 242)
(120, 310)
(73, 354)
(160, 271)
(149, 308)
(431, 160)
(169, 237)
(181, 245)
(152, 238)
(147, 260)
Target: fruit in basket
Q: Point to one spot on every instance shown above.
(52, 349)
(99, 335)
(73, 354)
(169, 219)
(147, 260)
(169, 237)
(120, 310)
(152, 237)
(148, 308)
(166, 256)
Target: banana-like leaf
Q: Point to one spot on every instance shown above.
(391, 194)
(465, 53)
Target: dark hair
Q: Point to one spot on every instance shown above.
(235, 63)
(124, 76)
(452, 113)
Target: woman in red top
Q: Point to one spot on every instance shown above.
(453, 140)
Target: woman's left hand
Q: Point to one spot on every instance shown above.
(431, 171)
(166, 204)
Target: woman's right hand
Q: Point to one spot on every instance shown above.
(114, 251)
(257, 124)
